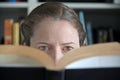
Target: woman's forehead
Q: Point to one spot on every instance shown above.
(51, 30)
(53, 24)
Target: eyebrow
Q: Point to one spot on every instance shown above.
(43, 43)
(61, 43)
(67, 43)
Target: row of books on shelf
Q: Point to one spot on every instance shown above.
(104, 35)
(12, 32)
(98, 34)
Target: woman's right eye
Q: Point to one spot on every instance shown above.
(44, 48)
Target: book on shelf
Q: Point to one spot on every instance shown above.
(23, 56)
(12, 0)
(16, 33)
(82, 20)
(105, 35)
(89, 33)
(111, 34)
(8, 31)
(11, 32)
(21, 20)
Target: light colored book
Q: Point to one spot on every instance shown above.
(16, 33)
(27, 56)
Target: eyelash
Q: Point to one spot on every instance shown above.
(67, 48)
(64, 49)
(44, 48)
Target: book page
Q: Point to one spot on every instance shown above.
(28, 53)
(18, 61)
(105, 49)
(96, 62)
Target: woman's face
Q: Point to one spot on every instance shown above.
(55, 37)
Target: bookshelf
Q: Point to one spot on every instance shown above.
(74, 5)
(105, 15)
(13, 5)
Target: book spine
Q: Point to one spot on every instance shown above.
(12, 0)
(82, 20)
(21, 20)
(102, 35)
(8, 31)
(21, 38)
(15, 29)
(111, 38)
(89, 33)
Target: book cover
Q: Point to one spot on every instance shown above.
(82, 20)
(15, 34)
(21, 20)
(8, 31)
(12, 0)
(89, 33)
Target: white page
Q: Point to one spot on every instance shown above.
(18, 61)
(96, 62)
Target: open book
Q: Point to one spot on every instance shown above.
(27, 55)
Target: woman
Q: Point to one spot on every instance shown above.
(54, 28)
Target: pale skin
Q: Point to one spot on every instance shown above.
(55, 37)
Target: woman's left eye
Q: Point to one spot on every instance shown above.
(44, 48)
(67, 48)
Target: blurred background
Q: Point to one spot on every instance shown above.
(100, 18)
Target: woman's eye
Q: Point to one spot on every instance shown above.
(67, 48)
(44, 48)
